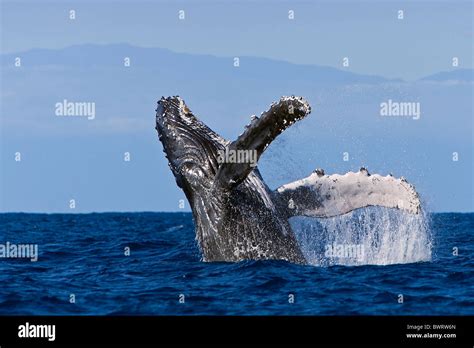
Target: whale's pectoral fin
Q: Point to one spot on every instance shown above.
(241, 155)
(321, 195)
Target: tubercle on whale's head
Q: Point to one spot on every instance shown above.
(190, 146)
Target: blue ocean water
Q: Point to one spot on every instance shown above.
(83, 254)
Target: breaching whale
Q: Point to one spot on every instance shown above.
(236, 215)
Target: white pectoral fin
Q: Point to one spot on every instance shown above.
(321, 195)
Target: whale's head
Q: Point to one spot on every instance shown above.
(190, 146)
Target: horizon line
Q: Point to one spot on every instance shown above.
(167, 212)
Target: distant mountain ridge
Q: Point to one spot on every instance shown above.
(453, 75)
(112, 55)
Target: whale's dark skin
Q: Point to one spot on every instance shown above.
(236, 215)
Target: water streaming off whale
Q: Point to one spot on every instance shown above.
(369, 236)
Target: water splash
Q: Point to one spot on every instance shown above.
(368, 236)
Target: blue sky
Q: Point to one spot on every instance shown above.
(322, 32)
(65, 159)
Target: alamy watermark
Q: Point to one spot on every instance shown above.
(23, 251)
(237, 156)
(406, 109)
(28, 330)
(80, 109)
(352, 251)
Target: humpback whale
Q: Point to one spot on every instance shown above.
(236, 215)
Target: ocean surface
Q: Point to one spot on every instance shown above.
(406, 269)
